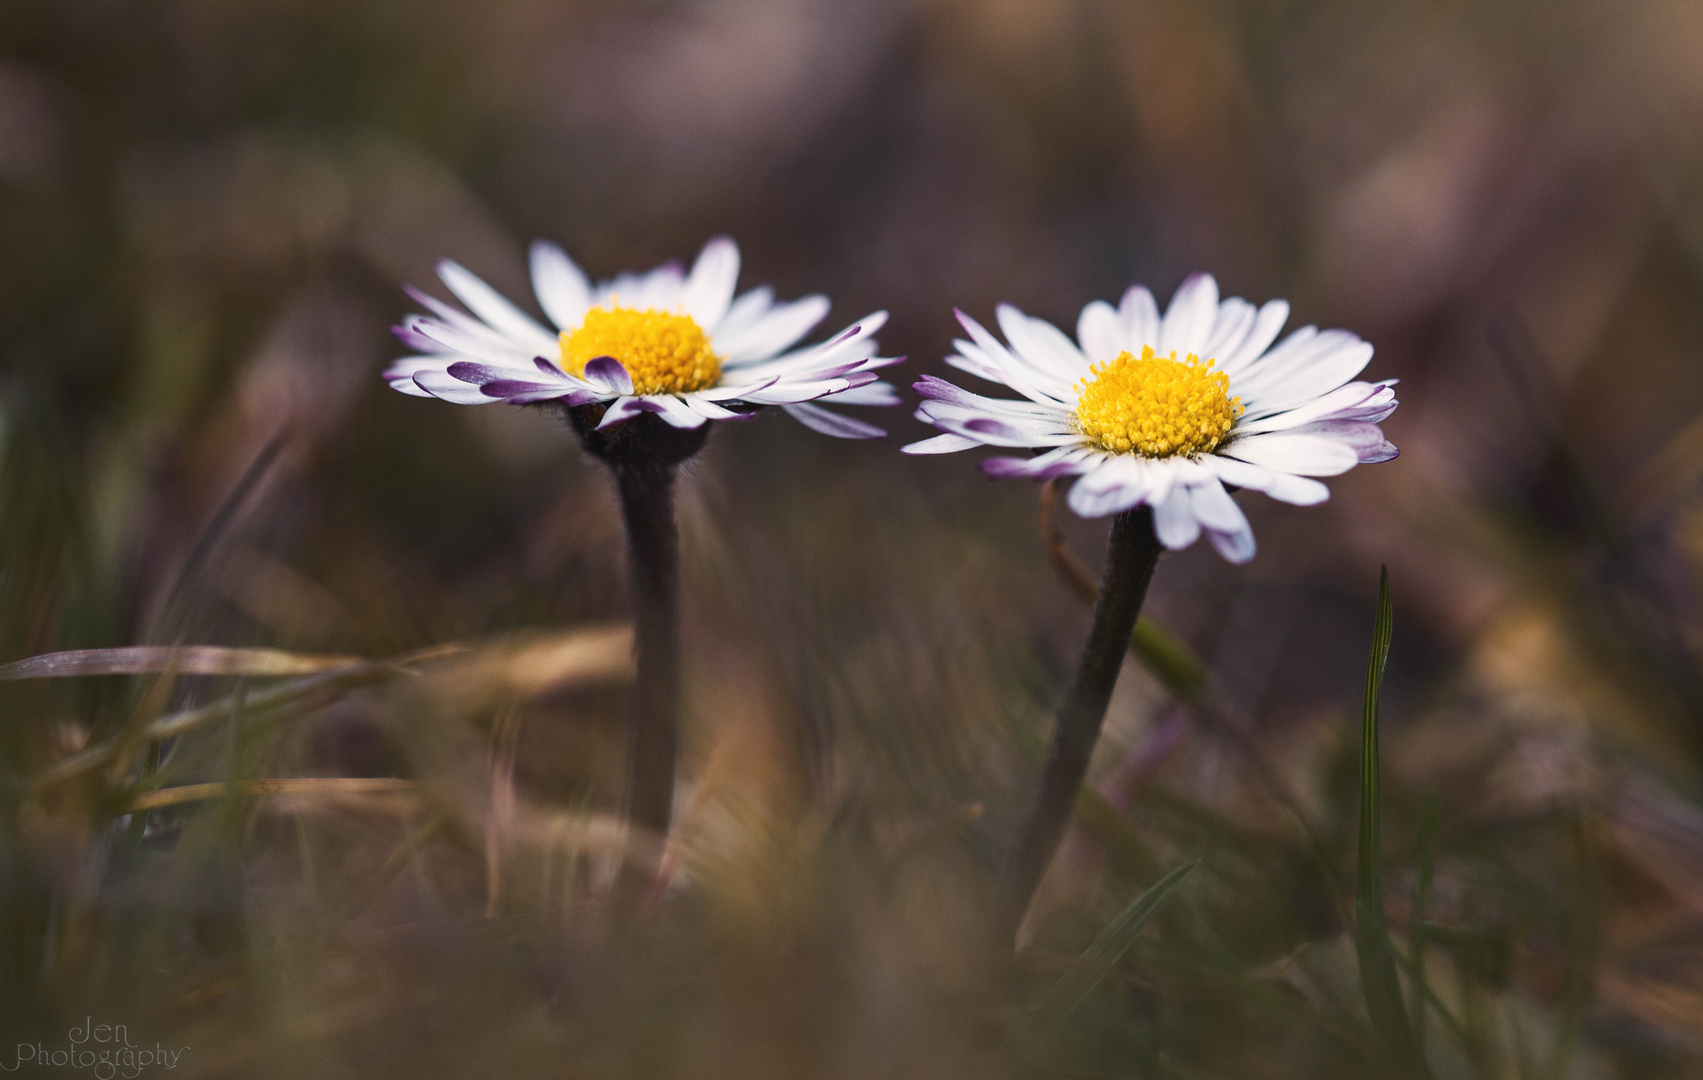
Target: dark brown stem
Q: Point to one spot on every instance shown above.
(653, 545)
(1130, 558)
(644, 453)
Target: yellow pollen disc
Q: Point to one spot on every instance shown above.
(665, 353)
(1156, 406)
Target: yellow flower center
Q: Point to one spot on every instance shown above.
(1156, 406)
(664, 353)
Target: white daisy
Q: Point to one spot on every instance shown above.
(1142, 427)
(676, 344)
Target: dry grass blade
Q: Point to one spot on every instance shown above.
(184, 660)
(290, 699)
(532, 665)
(526, 668)
(308, 786)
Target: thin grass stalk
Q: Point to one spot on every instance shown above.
(1132, 553)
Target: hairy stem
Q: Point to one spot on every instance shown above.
(653, 544)
(1133, 552)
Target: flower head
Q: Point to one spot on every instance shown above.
(1164, 411)
(679, 345)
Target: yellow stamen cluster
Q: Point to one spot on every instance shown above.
(1156, 406)
(665, 353)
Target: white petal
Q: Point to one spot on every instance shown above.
(1112, 486)
(1235, 319)
(1284, 487)
(1043, 345)
(674, 411)
(1267, 324)
(439, 384)
(1366, 439)
(495, 309)
(709, 289)
(400, 374)
(1059, 461)
(1189, 320)
(709, 410)
(821, 420)
(991, 432)
(560, 286)
(1040, 427)
(1174, 521)
(1344, 398)
(456, 342)
(1214, 508)
(1035, 383)
(876, 394)
(1236, 547)
(1139, 315)
(771, 333)
(1303, 455)
(933, 389)
(745, 311)
(459, 321)
(623, 408)
(940, 444)
(1099, 332)
(1285, 379)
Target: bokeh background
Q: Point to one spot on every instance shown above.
(207, 211)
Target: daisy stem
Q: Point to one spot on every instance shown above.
(653, 544)
(1132, 553)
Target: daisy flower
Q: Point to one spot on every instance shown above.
(1167, 411)
(639, 365)
(676, 344)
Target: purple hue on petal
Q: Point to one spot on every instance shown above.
(624, 409)
(1007, 468)
(547, 367)
(607, 373)
(982, 425)
(507, 388)
(469, 372)
(415, 340)
(939, 389)
(1367, 439)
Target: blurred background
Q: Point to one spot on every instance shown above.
(207, 212)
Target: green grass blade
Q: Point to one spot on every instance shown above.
(1108, 948)
(1416, 939)
(1378, 979)
(1169, 659)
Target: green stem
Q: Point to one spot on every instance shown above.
(1132, 553)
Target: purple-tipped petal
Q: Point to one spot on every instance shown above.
(607, 373)
(440, 385)
(624, 409)
(1367, 439)
(478, 374)
(997, 428)
(415, 340)
(513, 388)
